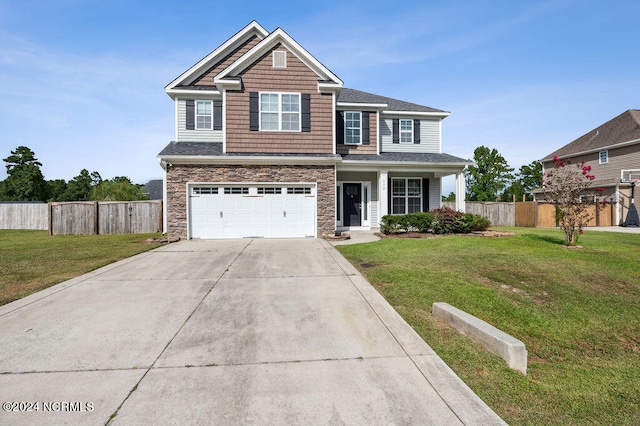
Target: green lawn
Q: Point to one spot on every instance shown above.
(577, 312)
(32, 260)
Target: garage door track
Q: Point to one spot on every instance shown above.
(223, 332)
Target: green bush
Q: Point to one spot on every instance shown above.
(419, 221)
(439, 221)
(391, 224)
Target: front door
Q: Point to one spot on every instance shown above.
(352, 202)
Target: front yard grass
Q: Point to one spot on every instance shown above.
(577, 312)
(33, 260)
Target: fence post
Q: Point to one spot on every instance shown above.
(96, 219)
(50, 218)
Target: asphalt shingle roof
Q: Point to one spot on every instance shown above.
(623, 128)
(423, 157)
(357, 96)
(215, 149)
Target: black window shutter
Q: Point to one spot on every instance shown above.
(217, 115)
(365, 128)
(396, 130)
(340, 127)
(306, 112)
(191, 114)
(254, 112)
(416, 131)
(425, 195)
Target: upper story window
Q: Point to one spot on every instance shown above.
(604, 157)
(204, 115)
(352, 127)
(280, 112)
(406, 131)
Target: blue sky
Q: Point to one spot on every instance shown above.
(82, 81)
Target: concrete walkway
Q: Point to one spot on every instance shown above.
(223, 332)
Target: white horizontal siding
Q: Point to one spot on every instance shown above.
(430, 139)
(185, 135)
(435, 193)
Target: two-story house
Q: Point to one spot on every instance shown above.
(613, 152)
(268, 143)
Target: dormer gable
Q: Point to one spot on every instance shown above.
(230, 77)
(249, 36)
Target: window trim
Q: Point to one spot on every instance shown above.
(280, 112)
(606, 157)
(406, 196)
(359, 128)
(405, 132)
(197, 115)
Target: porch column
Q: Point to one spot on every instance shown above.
(461, 192)
(383, 192)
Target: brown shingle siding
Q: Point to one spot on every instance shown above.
(296, 78)
(207, 78)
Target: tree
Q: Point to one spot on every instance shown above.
(488, 176)
(79, 188)
(528, 178)
(56, 189)
(450, 197)
(119, 188)
(567, 186)
(25, 181)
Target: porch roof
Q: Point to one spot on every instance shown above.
(408, 157)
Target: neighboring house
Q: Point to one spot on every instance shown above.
(613, 152)
(269, 144)
(153, 189)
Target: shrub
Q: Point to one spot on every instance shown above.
(391, 224)
(420, 221)
(439, 221)
(477, 222)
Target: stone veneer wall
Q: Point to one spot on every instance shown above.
(179, 175)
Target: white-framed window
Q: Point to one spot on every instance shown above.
(280, 112)
(604, 157)
(204, 115)
(406, 130)
(352, 127)
(406, 195)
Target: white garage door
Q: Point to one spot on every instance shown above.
(252, 211)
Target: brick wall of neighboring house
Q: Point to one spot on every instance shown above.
(295, 78)
(364, 149)
(207, 78)
(179, 175)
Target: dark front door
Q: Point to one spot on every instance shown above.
(352, 202)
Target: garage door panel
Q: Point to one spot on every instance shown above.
(274, 212)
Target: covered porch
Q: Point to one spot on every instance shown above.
(366, 192)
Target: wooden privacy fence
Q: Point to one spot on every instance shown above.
(532, 213)
(500, 214)
(24, 216)
(105, 217)
(84, 217)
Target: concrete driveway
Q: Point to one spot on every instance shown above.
(223, 332)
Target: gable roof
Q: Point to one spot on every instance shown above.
(351, 97)
(229, 75)
(621, 130)
(252, 30)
